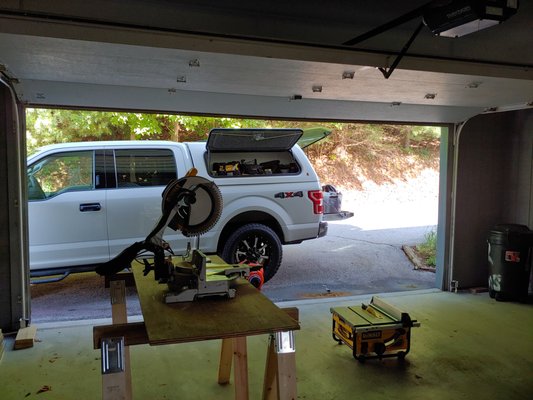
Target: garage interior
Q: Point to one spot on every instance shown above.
(289, 61)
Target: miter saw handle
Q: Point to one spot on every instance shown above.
(124, 259)
(121, 261)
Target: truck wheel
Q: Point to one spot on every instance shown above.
(254, 243)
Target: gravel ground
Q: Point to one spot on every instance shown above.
(409, 203)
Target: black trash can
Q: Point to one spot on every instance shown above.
(509, 256)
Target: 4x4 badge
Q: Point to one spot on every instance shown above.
(285, 195)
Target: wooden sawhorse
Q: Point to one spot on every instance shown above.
(229, 320)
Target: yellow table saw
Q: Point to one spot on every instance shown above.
(374, 330)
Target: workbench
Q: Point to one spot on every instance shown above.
(232, 320)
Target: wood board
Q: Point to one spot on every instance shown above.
(25, 337)
(249, 313)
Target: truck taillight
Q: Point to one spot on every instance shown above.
(317, 197)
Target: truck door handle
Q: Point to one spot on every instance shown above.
(90, 207)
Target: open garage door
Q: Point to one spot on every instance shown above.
(14, 299)
(393, 207)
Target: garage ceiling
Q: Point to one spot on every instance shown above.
(259, 58)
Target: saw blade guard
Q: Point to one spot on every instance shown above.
(194, 205)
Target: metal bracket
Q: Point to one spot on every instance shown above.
(284, 342)
(118, 292)
(454, 285)
(24, 323)
(113, 355)
(388, 72)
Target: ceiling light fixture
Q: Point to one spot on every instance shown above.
(317, 89)
(194, 63)
(430, 96)
(181, 79)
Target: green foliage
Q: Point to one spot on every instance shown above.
(47, 126)
(353, 152)
(425, 132)
(428, 249)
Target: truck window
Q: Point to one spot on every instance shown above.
(59, 173)
(144, 167)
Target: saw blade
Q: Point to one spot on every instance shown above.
(194, 205)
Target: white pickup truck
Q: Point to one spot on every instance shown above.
(88, 201)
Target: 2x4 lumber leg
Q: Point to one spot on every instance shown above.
(226, 356)
(270, 383)
(280, 369)
(234, 350)
(240, 356)
(117, 386)
(286, 376)
(280, 374)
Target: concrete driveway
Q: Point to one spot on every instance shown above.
(350, 261)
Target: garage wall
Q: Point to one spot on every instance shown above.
(494, 185)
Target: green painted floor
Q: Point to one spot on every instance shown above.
(468, 347)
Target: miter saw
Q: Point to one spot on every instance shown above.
(192, 205)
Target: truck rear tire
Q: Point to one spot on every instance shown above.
(255, 244)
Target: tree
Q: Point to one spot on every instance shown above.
(47, 126)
